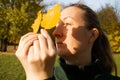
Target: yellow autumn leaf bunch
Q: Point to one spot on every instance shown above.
(47, 20)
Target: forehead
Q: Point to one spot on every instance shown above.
(73, 12)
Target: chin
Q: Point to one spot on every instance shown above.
(63, 53)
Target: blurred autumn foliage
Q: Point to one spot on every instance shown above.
(110, 23)
(16, 17)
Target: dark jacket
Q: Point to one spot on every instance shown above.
(91, 72)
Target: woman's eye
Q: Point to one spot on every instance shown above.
(67, 24)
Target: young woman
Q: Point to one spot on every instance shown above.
(82, 45)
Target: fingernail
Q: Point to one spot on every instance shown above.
(41, 30)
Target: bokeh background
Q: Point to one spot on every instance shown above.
(17, 16)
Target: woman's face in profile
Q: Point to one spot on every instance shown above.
(71, 34)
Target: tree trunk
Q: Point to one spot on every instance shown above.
(0, 44)
(15, 47)
(3, 45)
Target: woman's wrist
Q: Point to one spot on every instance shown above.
(39, 76)
(50, 78)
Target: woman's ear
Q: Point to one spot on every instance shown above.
(94, 35)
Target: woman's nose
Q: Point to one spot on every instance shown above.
(58, 32)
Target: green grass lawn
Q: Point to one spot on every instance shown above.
(117, 60)
(11, 69)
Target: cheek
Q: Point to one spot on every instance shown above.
(73, 45)
(80, 35)
(71, 42)
(78, 41)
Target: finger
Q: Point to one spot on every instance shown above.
(31, 54)
(25, 44)
(36, 46)
(49, 40)
(26, 38)
(43, 42)
(43, 46)
(23, 50)
(26, 35)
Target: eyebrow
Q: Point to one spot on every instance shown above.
(68, 17)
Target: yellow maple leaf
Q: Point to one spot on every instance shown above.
(47, 20)
(51, 18)
(35, 26)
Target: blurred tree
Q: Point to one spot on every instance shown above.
(110, 24)
(4, 26)
(16, 18)
(108, 19)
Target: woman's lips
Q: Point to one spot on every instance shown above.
(59, 43)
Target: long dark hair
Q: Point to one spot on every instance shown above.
(101, 47)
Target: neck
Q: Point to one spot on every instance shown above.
(80, 59)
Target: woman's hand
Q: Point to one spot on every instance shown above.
(37, 54)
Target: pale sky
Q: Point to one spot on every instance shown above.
(94, 4)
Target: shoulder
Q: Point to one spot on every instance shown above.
(59, 73)
(106, 77)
